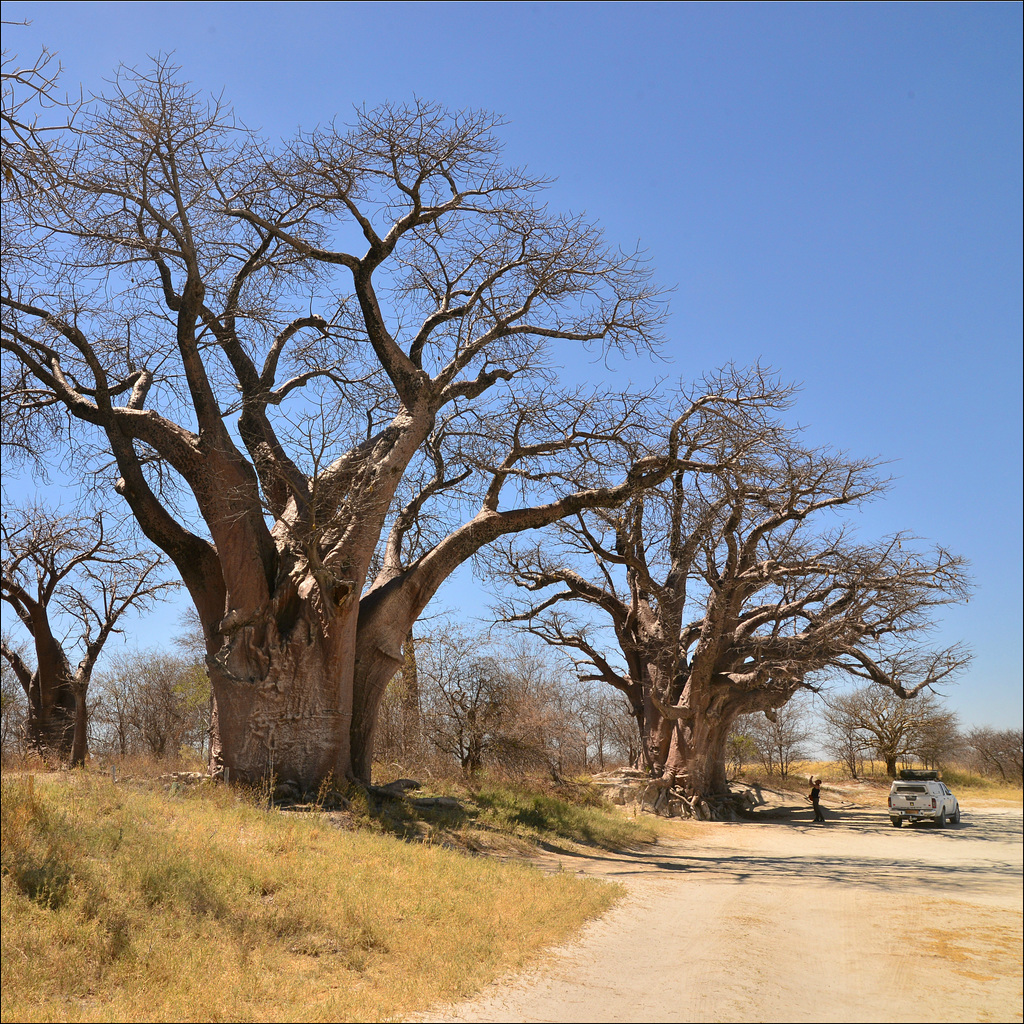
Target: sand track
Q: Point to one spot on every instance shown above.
(786, 921)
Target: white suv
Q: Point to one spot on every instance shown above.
(919, 796)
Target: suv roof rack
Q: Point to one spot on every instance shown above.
(918, 775)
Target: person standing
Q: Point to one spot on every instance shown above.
(814, 796)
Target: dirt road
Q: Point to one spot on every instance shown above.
(787, 921)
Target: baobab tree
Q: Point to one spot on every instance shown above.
(280, 349)
(725, 596)
(69, 581)
(882, 725)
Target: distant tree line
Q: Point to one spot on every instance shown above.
(858, 728)
(465, 701)
(461, 702)
(146, 702)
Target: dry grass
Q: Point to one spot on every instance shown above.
(874, 782)
(969, 786)
(496, 814)
(122, 902)
(544, 816)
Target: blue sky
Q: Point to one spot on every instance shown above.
(834, 190)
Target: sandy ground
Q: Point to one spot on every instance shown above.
(783, 920)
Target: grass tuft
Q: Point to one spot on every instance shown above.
(542, 816)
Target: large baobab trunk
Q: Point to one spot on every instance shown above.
(685, 742)
(697, 761)
(50, 727)
(693, 772)
(283, 698)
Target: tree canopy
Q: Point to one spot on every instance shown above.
(322, 374)
(280, 355)
(730, 587)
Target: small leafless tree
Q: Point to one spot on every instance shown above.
(69, 580)
(843, 742)
(891, 728)
(538, 718)
(503, 705)
(938, 739)
(468, 698)
(614, 739)
(740, 748)
(998, 753)
(152, 702)
(779, 738)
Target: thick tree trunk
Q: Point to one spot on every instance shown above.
(50, 726)
(282, 687)
(372, 682)
(656, 729)
(386, 617)
(697, 758)
(688, 753)
(655, 738)
(80, 743)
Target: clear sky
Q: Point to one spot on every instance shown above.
(832, 189)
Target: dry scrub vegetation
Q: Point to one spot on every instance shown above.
(128, 902)
(873, 783)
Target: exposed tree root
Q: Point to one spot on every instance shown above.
(670, 797)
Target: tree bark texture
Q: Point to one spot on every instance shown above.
(282, 705)
(51, 722)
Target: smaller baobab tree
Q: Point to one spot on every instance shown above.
(727, 593)
(69, 581)
(879, 724)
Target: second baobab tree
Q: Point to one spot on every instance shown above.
(69, 581)
(732, 588)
